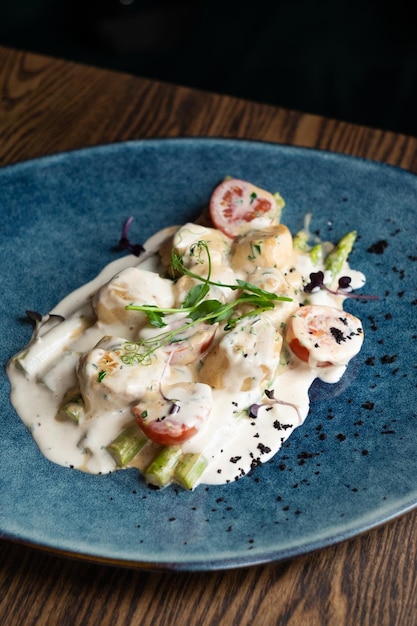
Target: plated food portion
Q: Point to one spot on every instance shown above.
(192, 361)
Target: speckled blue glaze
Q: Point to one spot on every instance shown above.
(352, 466)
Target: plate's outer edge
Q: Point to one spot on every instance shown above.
(349, 468)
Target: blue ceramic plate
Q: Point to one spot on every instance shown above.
(352, 466)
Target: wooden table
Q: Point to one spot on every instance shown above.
(46, 106)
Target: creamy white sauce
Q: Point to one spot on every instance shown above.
(231, 439)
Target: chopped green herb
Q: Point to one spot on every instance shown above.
(101, 375)
(255, 250)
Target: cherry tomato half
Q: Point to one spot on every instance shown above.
(172, 419)
(235, 204)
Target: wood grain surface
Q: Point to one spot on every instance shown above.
(46, 106)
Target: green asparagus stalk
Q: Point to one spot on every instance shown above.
(189, 469)
(338, 256)
(127, 444)
(161, 471)
(72, 410)
(280, 204)
(300, 241)
(316, 253)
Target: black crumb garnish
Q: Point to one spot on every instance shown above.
(388, 358)
(378, 247)
(263, 448)
(337, 335)
(368, 405)
(255, 463)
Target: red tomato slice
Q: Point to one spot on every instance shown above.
(235, 204)
(166, 433)
(324, 335)
(170, 422)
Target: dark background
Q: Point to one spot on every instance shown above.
(355, 61)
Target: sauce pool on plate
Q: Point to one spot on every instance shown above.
(193, 361)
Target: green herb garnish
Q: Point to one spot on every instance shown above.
(197, 309)
(101, 375)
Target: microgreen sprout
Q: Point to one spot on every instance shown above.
(344, 287)
(175, 407)
(124, 241)
(197, 309)
(270, 394)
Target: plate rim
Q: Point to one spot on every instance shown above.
(216, 564)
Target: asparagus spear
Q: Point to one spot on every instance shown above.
(189, 469)
(127, 444)
(161, 471)
(72, 410)
(338, 256)
(300, 241)
(280, 204)
(316, 253)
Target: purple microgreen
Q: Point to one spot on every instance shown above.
(175, 407)
(344, 287)
(253, 410)
(316, 282)
(270, 394)
(344, 283)
(124, 241)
